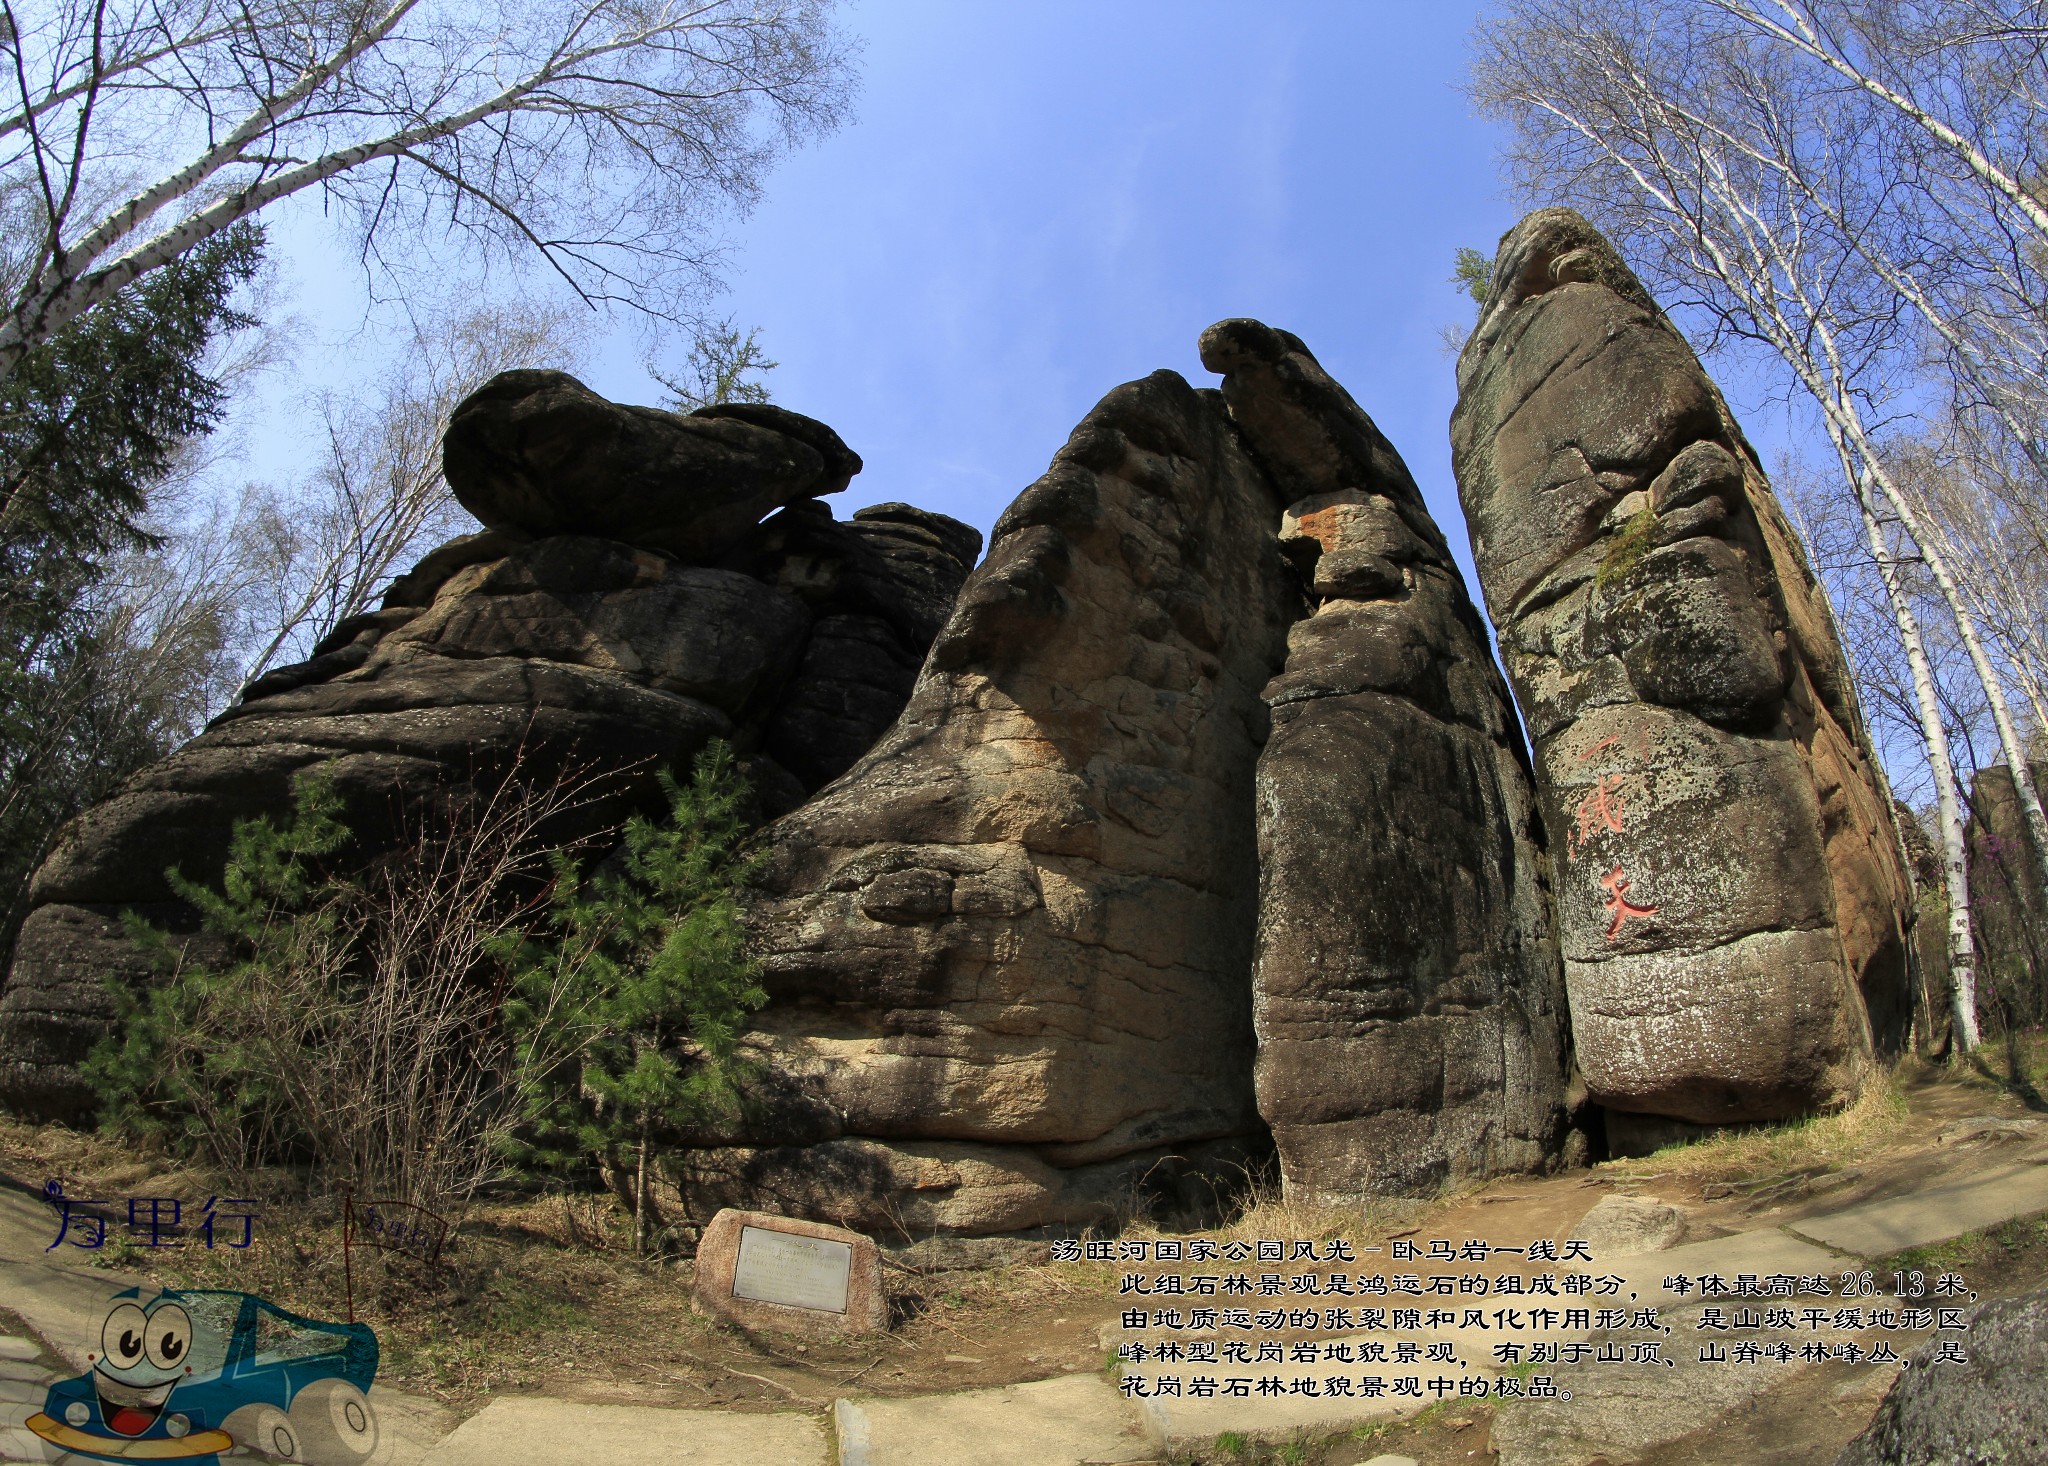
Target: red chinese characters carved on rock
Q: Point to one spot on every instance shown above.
(1601, 809)
(1619, 907)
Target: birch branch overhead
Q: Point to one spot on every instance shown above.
(600, 137)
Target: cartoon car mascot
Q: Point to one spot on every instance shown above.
(191, 1375)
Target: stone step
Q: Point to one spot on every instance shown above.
(1072, 1420)
(521, 1428)
(1880, 1228)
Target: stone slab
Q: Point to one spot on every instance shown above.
(759, 1270)
(532, 1428)
(411, 1425)
(1618, 1411)
(14, 1347)
(1071, 1420)
(1879, 1228)
(1182, 1422)
(19, 1443)
(1761, 1252)
(55, 1293)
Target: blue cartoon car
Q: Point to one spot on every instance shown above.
(190, 1375)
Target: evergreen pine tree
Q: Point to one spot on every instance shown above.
(90, 421)
(646, 984)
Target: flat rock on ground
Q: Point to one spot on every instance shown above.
(533, 1429)
(1617, 1411)
(1073, 1420)
(1627, 1226)
(1878, 1228)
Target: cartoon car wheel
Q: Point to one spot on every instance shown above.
(335, 1423)
(265, 1430)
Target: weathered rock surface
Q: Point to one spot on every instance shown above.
(1629, 1226)
(552, 649)
(1409, 998)
(1608, 1413)
(2008, 906)
(541, 452)
(1010, 951)
(1988, 1412)
(879, 589)
(1730, 898)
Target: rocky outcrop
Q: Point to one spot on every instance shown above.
(2008, 907)
(1730, 897)
(1009, 953)
(516, 645)
(1985, 1412)
(1409, 999)
(540, 452)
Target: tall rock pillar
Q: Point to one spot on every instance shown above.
(1010, 950)
(1730, 896)
(1408, 998)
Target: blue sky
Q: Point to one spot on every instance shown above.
(1033, 203)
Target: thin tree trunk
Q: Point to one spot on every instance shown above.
(1955, 868)
(2014, 751)
(1765, 298)
(641, 1230)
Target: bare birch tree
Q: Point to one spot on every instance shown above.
(595, 136)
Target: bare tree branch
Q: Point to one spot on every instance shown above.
(599, 135)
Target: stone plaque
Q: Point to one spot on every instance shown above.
(781, 1267)
(759, 1270)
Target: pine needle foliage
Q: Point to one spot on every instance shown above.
(188, 1061)
(646, 982)
(1473, 274)
(721, 367)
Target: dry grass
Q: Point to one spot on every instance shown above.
(1824, 1142)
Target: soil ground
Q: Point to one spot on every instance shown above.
(544, 1296)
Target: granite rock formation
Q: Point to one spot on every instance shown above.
(523, 642)
(1009, 952)
(538, 451)
(1409, 999)
(2008, 906)
(1730, 898)
(1984, 1413)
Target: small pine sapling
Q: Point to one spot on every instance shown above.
(629, 1015)
(186, 1057)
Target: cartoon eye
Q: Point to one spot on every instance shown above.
(121, 1336)
(170, 1334)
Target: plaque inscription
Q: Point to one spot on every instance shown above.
(800, 1272)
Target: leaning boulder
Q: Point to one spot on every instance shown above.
(1731, 901)
(1409, 999)
(1009, 951)
(538, 451)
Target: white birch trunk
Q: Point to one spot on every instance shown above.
(1955, 865)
